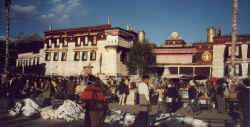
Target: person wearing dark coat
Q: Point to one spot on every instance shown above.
(192, 93)
(70, 88)
(244, 101)
(220, 96)
(123, 92)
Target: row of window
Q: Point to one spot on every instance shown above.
(79, 41)
(83, 55)
(238, 52)
(238, 69)
(26, 62)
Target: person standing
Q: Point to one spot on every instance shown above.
(244, 101)
(144, 102)
(70, 88)
(123, 90)
(220, 96)
(95, 103)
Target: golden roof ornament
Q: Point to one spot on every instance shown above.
(109, 20)
(174, 35)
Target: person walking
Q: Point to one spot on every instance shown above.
(95, 103)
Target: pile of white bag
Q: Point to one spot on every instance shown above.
(129, 119)
(29, 108)
(69, 111)
(171, 120)
(119, 117)
(115, 116)
(16, 109)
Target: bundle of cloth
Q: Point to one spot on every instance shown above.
(121, 118)
(173, 121)
(68, 111)
(27, 107)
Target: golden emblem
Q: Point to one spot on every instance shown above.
(174, 35)
(206, 56)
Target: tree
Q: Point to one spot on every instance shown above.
(140, 58)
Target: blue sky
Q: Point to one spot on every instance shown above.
(158, 18)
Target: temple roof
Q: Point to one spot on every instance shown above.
(228, 38)
(87, 28)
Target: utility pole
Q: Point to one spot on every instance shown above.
(7, 7)
(234, 35)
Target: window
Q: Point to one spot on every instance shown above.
(238, 69)
(48, 42)
(248, 52)
(64, 56)
(94, 40)
(26, 62)
(91, 40)
(84, 56)
(248, 69)
(47, 56)
(123, 57)
(86, 40)
(82, 40)
(77, 56)
(23, 62)
(237, 51)
(34, 61)
(56, 42)
(226, 52)
(56, 54)
(93, 55)
(37, 60)
(18, 63)
(78, 42)
(29, 64)
(65, 42)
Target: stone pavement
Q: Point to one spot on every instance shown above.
(213, 118)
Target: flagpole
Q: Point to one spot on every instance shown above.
(234, 35)
(7, 6)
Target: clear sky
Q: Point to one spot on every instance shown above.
(158, 18)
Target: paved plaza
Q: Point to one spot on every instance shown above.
(211, 117)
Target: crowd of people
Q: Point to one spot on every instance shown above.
(148, 91)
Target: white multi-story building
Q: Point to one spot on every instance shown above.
(102, 48)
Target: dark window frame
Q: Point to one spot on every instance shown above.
(91, 55)
(48, 56)
(94, 43)
(77, 53)
(48, 44)
(84, 53)
(64, 56)
(86, 43)
(56, 56)
(76, 42)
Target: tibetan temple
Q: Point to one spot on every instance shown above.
(103, 49)
(205, 59)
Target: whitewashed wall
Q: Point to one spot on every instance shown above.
(218, 61)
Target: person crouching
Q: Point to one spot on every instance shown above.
(95, 103)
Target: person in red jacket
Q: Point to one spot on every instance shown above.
(95, 103)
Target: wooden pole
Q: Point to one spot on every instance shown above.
(234, 35)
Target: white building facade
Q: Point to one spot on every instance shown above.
(68, 52)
